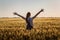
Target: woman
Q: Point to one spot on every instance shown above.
(28, 19)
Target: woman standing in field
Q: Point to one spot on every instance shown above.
(28, 19)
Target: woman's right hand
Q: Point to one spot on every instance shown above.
(15, 13)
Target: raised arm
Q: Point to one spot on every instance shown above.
(18, 15)
(38, 13)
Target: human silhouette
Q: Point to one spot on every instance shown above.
(28, 19)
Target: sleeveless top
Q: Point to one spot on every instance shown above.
(30, 21)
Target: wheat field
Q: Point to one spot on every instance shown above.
(43, 29)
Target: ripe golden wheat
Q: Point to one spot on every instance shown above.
(44, 29)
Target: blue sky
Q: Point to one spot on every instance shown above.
(51, 7)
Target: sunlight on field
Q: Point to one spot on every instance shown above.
(44, 29)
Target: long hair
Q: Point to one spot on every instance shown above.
(27, 16)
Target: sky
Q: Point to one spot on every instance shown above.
(51, 7)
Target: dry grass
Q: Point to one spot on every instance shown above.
(44, 29)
